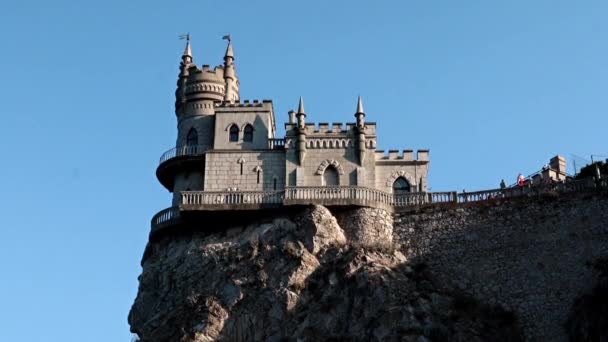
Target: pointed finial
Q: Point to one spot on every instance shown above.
(229, 52)
(301, 106)
(187, 50)
(359, 106)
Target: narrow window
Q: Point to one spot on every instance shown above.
(274, 186)
(258, 177)
(234, 133)
(401, 185)
(248, 133)
(241, 168)
(192, 138)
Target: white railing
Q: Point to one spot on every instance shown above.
(336, 193)
(276, 144)
(231, 197)
(182, 151)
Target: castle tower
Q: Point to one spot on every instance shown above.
(180, 96)
(360, 116)
(230, 78)
(301, 129)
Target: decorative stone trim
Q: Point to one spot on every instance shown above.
(242, 128)
(241, 161)
(257, 169)
(233, 124)
(328, 162)
(400, 173)
(328, 143)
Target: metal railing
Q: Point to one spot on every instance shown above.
(165, 216)
(182, 151)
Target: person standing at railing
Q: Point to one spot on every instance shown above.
(521, 181)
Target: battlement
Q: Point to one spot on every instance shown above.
(336, 127)
(206, 73)
(406, 155)
(244, 106)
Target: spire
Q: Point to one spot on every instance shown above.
(301, 106)
(229, 52)
(360, 106)
(187, 50)
(187, 56)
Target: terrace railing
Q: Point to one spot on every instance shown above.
(182, 151)
(355, 195)
(197, 198)
(165, 216)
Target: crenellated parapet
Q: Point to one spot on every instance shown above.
(401, 156)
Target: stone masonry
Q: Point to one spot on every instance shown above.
(528, 256)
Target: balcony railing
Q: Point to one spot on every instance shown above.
(165, 216)
(182, 151)
(197, 198)
(353, 195)
(276, 144)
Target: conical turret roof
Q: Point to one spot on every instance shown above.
(301, 106)
(360, 106)
(187, 50)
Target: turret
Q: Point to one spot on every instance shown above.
(360, 116)
(230, 78)
(180, 96)
(301, 129)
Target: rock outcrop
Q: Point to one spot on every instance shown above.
(298, 278)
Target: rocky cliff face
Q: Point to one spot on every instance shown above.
(298, 277)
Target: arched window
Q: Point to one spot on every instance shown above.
(248, 133)
(331, 176)
(234, 133)
(192, 138)
(401, 185)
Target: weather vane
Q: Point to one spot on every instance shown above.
(227, 37)
(185, 36)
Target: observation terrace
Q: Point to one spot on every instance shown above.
(340, 196)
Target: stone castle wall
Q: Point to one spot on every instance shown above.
(369, 227)
(223, 170)
(527, 255)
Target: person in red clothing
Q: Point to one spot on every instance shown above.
(521, 181)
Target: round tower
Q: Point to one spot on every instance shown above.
(198, 91)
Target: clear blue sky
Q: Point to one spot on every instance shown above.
(86, 96)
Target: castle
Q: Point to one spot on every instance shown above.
(227, 151)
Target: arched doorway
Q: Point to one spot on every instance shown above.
(331, 177)
(401, 186)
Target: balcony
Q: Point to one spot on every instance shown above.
(175, 159)
(276, 144)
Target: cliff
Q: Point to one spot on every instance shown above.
(302, 277)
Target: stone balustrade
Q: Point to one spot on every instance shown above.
(276, 144)
(198, 198)
(354, 195)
